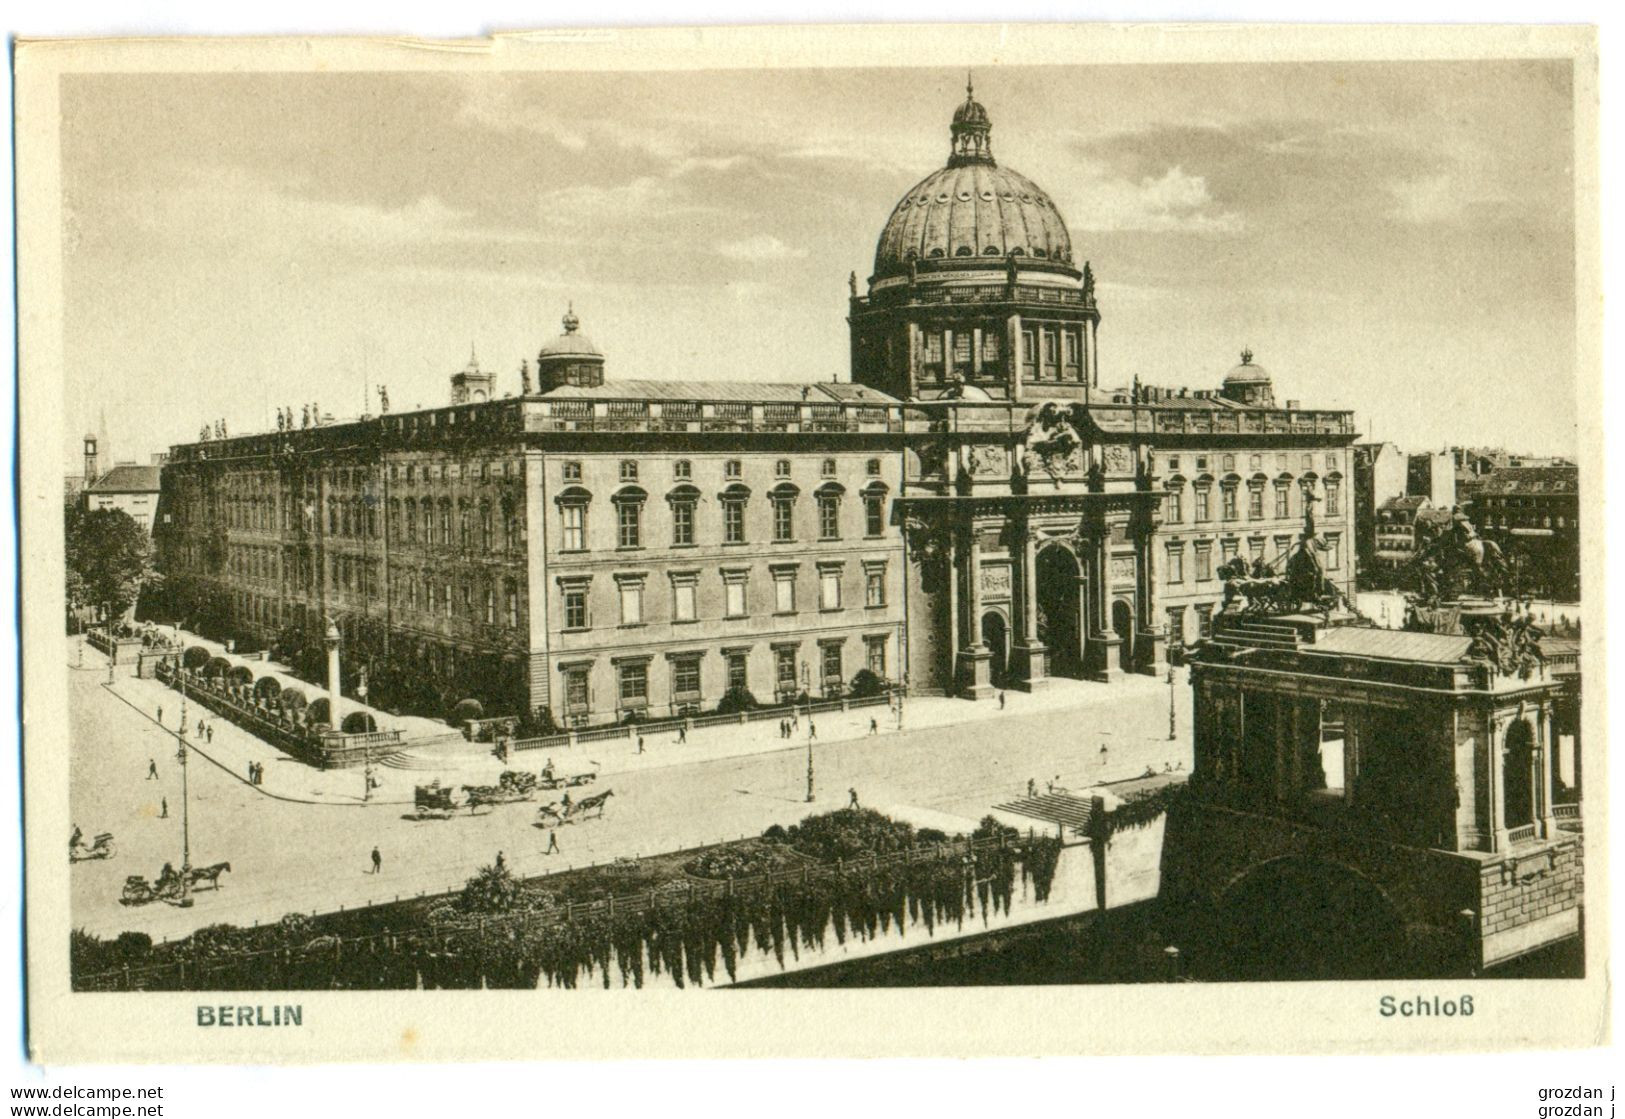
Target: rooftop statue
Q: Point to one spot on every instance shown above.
(1256, 589)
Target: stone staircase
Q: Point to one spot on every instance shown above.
(1257, 633)
(1053, 808)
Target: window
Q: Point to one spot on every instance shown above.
(781, 469)
(575, 527)
(487, 538)
(683, 598)
(827, 468)
(872, 468)
(682, 470)
(1334, 551)
(733, 521)
(428, 593)
(1204, 619)
(512, 533)
(1308, 462)
(1176, 563)
(572, 473)
(446, 602)
(445, 520)
(1175, 506)
(682, 522)
(490, 607)
(875, 655)
(629, 470)
(784, 522)
(738, 670)
(784, 591)
(1228, 549)
(685, 677)
(1334, 497)
(829, 588)
(1203, 512)
(468, 600)
(411, 520)
(734, 594)
(731, 468)
(1283, 493)
(874, 586)
(962, 341)
(513, 606)
(1173, 462)
(1204, 562)
(874, 514)
(1229, 496)
(1029, 353)
(464, 526)
(1255, 549)
(1256, 462)
(829, 516)
(1176, 625)
(575, 606)
(1229, 462)
(832, 669)
(575, 690)
(784, 669)
(634, 685)
(629, 524)
(1201, 462)
(631, 601)
(1069, 353)
(1255, 502)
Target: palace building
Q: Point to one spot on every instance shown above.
(971, 510)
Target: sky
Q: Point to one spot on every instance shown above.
(1393, 238)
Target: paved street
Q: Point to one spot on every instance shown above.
(287, 855)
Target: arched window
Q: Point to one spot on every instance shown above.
(733, 501)
(683, 500)
(829, 510)
(783, 497)
(1174, 505)
(628, 502)
(573, 502)
(874, 509)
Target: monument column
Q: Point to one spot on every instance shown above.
(334, 697)
(1546, 760)
(1031, 652)
(978, 657)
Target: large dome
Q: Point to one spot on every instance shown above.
(972, 208)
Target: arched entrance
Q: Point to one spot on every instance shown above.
(996, 636)
(1305, 918)
(1060, 610)
(1123, 626)
(1518, 802)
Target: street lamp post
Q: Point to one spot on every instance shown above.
(361, 694)
(805, 684)
(186, 808)
(1170, 703)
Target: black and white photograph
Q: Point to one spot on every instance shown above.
(1009, 523)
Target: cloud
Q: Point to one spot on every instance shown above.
(1173, 202)
(760, 249)
(1425, 201)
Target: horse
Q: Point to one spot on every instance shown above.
(210, 874)
(587, 804)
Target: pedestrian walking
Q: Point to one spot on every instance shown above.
(852, 795)
(152, 769)
(209, 734)
(874, 727)
(502, 863)
(1001, 701)
(251, 780)
(640, 743)
(682, 734)
(1032, 787)
(1103, 753)
(377, 861)
(163, 804)
(812, 730)
(1049, 786)
(552, 842)
(160, 715)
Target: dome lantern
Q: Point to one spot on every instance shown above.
(971, 132)
(569, 359)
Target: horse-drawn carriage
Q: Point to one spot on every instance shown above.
(568, 811)
(437, 801)
(567, 777)
(171, 884)
(99, 848)
(514, 785)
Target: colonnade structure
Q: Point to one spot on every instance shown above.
(1410, 775)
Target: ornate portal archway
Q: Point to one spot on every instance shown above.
(1059, 585)
(996, 636)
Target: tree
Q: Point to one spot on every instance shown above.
(109, 560)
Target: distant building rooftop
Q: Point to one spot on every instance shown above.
(127, 478)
